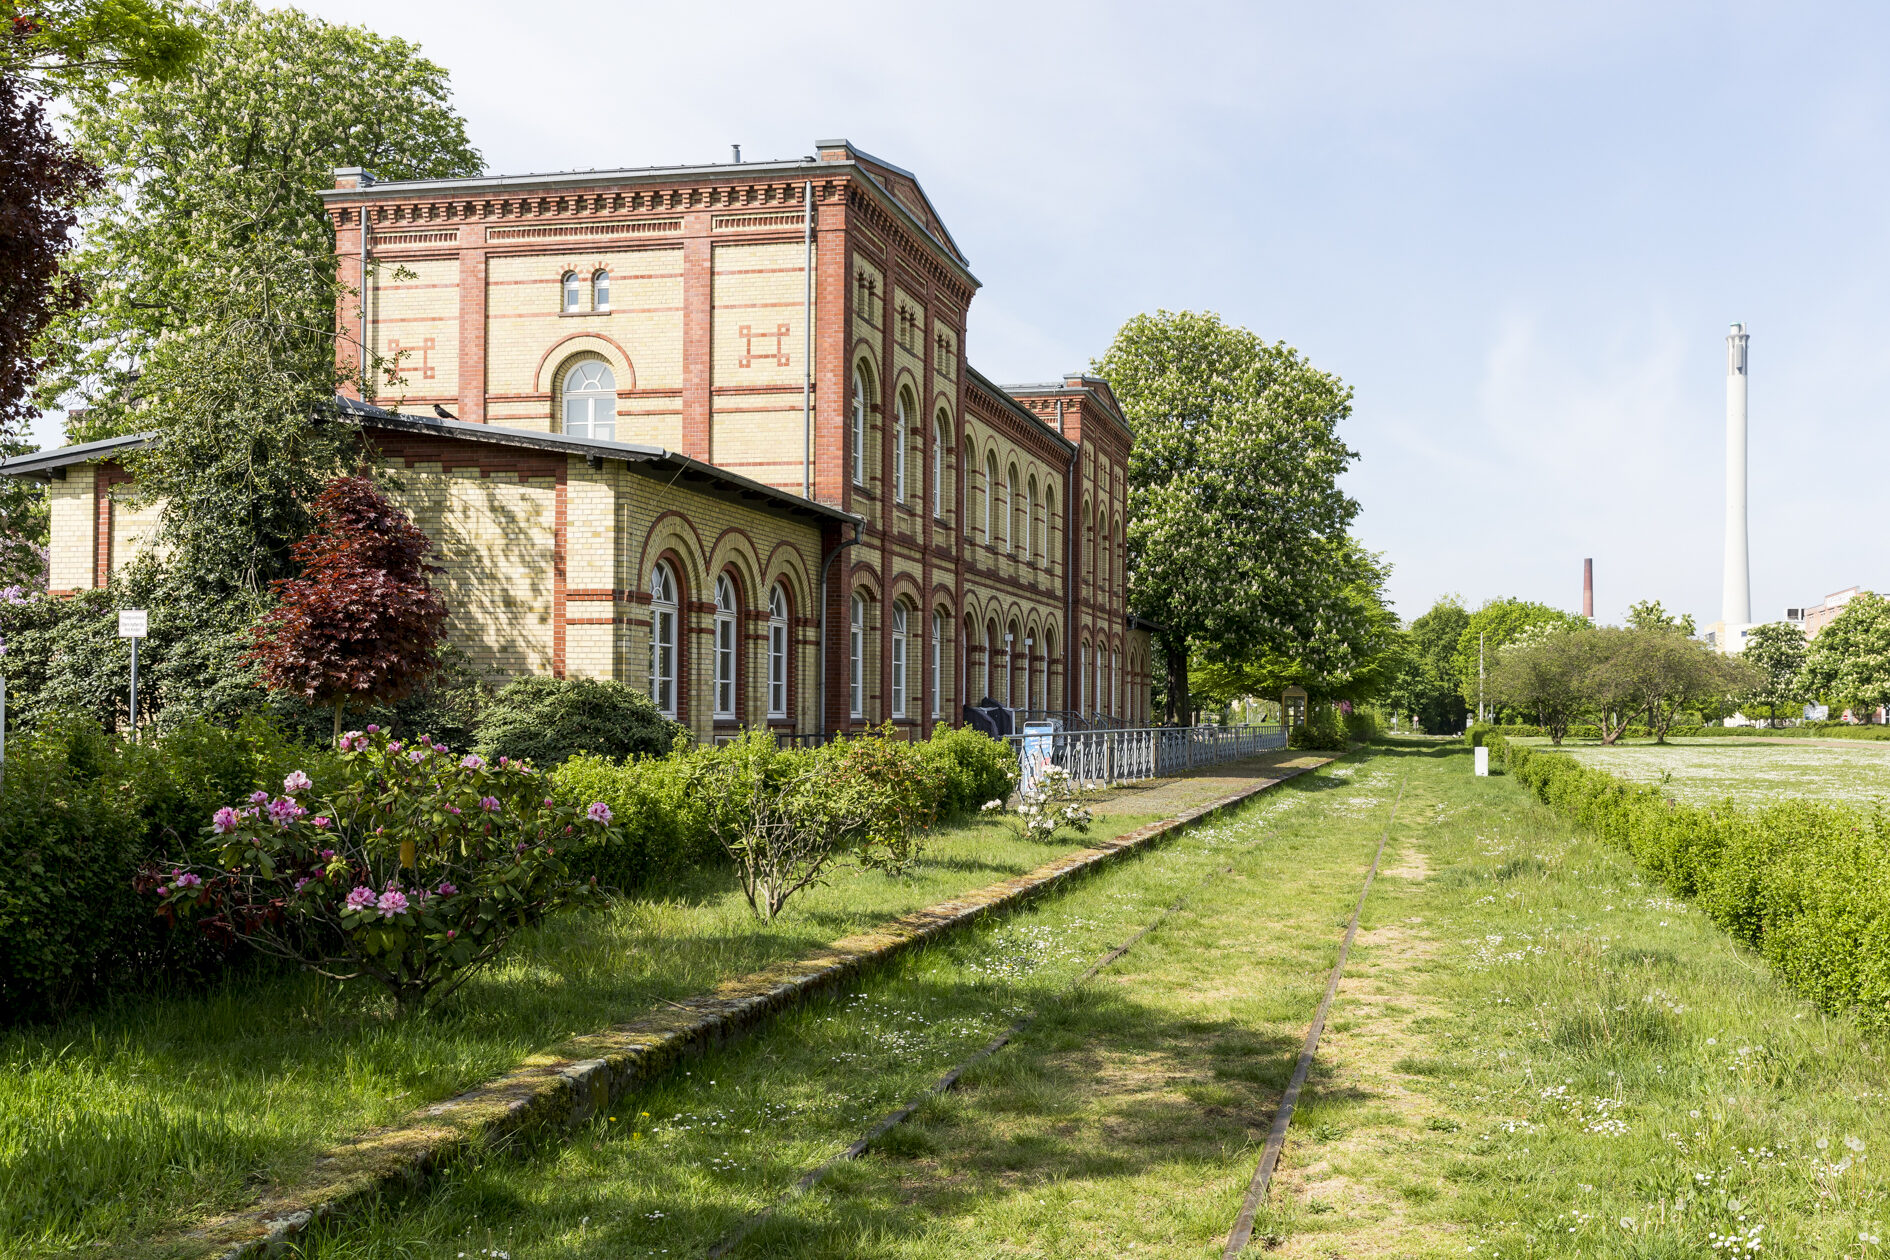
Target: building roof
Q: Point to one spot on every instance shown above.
(1004, 399)
(43, 464)
(1094, 387)
(655, 461)
(898, 188)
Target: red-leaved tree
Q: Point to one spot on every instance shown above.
(362, 622)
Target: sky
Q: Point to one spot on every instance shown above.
(1519, 232)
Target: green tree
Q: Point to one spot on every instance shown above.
(1660, 673)
(1495, 626)
(1777, 651)
(1848, 664)
(1426, 685)
(1237, 524)
(212, 266)
(1649, 615)
(1547, 674)
(88, 45)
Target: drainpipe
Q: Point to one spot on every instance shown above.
(367, 369)
(807, 334)
(1070, 681)
(825, 566)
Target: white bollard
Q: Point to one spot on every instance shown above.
(1483, 761)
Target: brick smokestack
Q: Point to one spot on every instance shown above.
(1588, 589)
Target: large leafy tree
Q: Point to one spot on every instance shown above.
(42, 181)
(1494, 627)
(1776, 650)
(1649, 615)
(1426, 682)
(212, 267)
(1237, 524)
(1848, 664)
(85, 45)
(1546, 675)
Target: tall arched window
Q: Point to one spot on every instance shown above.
(1010, 509)
(573, 292)
(991, 645)
(1082, 672)
(941, 445)
(1012, 642)
(600, 290)
(859, 425)
(1030, 662)
(1115, 682)
(777, 652)
(898, 660)
(1032, 538)
(856, 658)
(590, 401)
(663, 640)
(725, 625)
(902, 425)
(1101, 697)
(1050, 527)
(938, 664)
(990, 495)
(971, 485)
(1049, 667)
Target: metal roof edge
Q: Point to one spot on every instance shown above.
(1003, 396)
(63, 456)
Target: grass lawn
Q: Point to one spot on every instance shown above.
(1750, 772)
(124, 1123)
(1535, 1054)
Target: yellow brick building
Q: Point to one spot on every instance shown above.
(682, 426)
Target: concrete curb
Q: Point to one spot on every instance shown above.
(564, 1088)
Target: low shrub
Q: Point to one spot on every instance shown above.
(415, 873)
(976, 769)
(1363, 725)
(1482, 732)
(1321, 731)
(1805, 884)
(546, 720)
(81, 813)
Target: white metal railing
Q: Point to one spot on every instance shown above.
(1150, 752)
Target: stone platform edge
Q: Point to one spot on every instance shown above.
(563, 1089)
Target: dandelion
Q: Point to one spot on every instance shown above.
(1855, 1144)
(297, 782)
(598, 812)
(224, 820)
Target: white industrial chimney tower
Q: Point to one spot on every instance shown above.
(1736, 602)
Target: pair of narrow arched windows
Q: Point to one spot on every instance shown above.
(574, 285)
(664, 645)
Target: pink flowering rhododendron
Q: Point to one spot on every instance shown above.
(413, 873)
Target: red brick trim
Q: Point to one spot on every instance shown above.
(558, 533)
(698, 425)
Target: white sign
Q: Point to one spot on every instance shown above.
(1483, 760)
(132, 623)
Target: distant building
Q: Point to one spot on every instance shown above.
(1812, 620)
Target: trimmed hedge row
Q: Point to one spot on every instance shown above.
(1487, 733)
(1805, 884)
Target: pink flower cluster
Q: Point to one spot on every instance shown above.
(224, 821)
(283, 811)
(180, 880)
(297, 782)
(598, 812)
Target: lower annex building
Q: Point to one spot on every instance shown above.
(711, 431)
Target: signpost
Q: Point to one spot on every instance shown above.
(133, 624)
(1035, 756)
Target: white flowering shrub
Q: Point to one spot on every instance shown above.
(1051, 803)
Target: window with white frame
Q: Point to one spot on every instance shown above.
(777, 652)
(856, 658)
(1101, 697)
(725, 640)
(600, 290)
(1010, 668)
(971, 485)
(663, 640)
(938, 664)
(990, 496)
(1031, 536)
(898, 660)
(859, 426)
(1030, 669)
(1115, 682)
(1010, 509)
(590, 401)
(990, 657)
(902, 424)
(1082, 669)
(573, 292)
(941, 442)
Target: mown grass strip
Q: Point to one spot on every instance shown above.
(560, 1090)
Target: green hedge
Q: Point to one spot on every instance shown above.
(665, 824)
(1481, 733)
(80, 813)
(1805, 884)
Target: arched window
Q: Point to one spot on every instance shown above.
(991, 643)
(1115, 682)
(941, 444)
(573, 292)
(898, 660)
(971, 487)
(1049, 668)
(1050, 527)
(725, 624)
(1032, 537)
(1010, 509)
(1099, 697)
(663, 640)
(938, 664)
(1082, 671)
(902, 424)
(600, 290)
(1030, 663)
(590, 401)
(777, 651)
(859, 425)
(1012, 642)
(990, 495)
(856, 658)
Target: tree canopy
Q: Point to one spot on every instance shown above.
(1237, 525)
(87, 45)
(1848, 664)
(1498, 623)
(1776, 652)
(212, 270)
